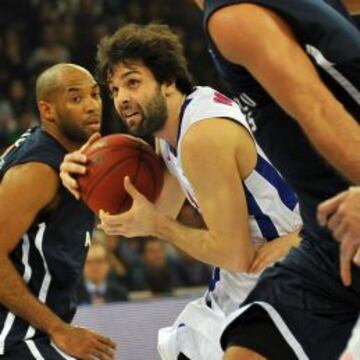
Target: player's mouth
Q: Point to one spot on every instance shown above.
(94, 123)
(94, 126)
(133, 119)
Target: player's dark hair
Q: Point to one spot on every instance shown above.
(155, 45)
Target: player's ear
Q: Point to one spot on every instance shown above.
(168, 87)
(47, 111)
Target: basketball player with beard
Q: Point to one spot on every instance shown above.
(250, 213)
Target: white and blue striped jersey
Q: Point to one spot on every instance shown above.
(272, 205)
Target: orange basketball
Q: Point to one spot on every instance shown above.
(110, 159)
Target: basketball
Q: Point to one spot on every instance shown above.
(110, 159)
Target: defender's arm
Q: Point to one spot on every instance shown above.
(283, 68)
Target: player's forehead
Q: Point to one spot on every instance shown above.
(124, 70)
(71, 80)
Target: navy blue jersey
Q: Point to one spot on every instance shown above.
(51, 254)
(328, 35)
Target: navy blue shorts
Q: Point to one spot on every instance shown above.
(38, 348)
(304, 298)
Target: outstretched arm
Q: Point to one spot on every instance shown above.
(289, 76)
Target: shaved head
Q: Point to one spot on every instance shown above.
(69, 103)
(50, 80)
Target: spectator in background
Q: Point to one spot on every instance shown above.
(97, 287)
(17, 96)
(75, 28)
(131, 253)
(50, 50)
(12, 56)
(190, 272)
(118, 266)
(157, 270)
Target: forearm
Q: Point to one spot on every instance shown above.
(336, 135)
(202, 245)
(16, 297)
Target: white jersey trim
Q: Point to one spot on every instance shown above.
(61, 353)
(10, 318)
(329, 67)
(209, 109)
(278, 322)
(34, 350)
(47, 277)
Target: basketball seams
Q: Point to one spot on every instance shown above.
(103, 186)
(117, 147)
(142, 153)
(104, 175)
(109, 152)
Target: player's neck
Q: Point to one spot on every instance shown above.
(171, 128)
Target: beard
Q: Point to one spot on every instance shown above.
(73, 132)
(153, 114)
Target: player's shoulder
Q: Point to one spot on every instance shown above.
(35, 145)
(206, 102)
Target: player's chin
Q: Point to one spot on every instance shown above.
(134, 129)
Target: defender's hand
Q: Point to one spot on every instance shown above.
(84, 344)
(341, 214)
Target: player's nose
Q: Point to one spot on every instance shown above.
(123, 98)
(92, 104)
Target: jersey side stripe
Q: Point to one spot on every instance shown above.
(61, 353)
(273, 177)
(34, 350)
(215, 278)
(47, 277)
(266, 226)
(329, 67)
(10, 318)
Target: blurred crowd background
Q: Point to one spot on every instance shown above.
(35, 34)
(39, 33)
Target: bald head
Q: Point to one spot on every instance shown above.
(50, 80)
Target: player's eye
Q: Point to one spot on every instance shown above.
(76, 99)
(133, 83)
(114, 91)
